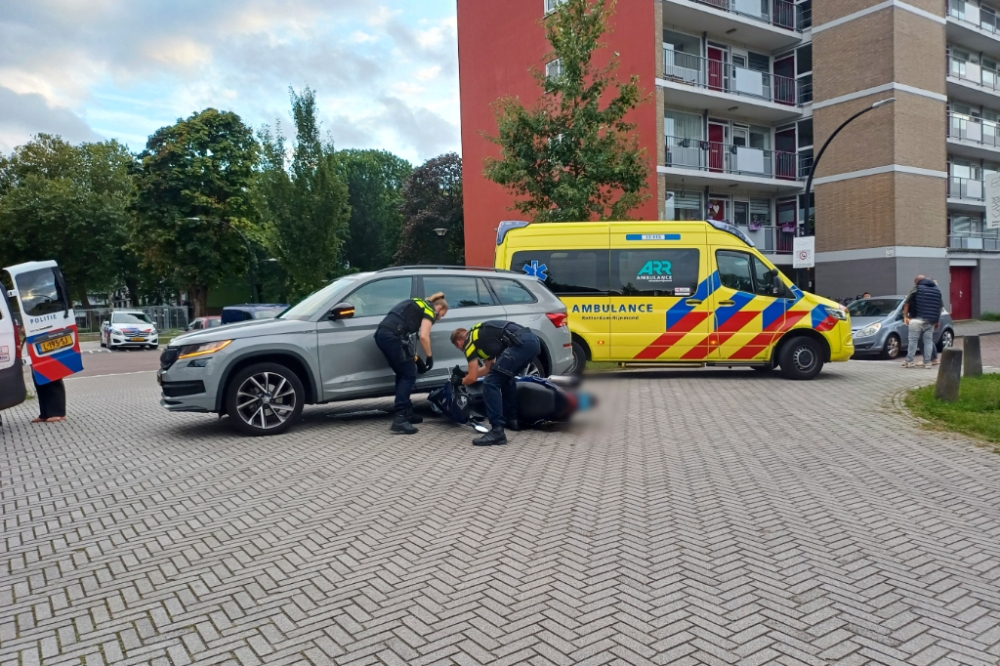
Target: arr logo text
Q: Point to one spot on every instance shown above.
(656, 268)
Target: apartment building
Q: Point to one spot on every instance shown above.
(741, 96)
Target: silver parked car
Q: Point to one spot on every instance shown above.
(879, 330)
(261, 373)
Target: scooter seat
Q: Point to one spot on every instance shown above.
(534, 402)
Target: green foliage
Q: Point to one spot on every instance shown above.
(572, 156)
(990, 316)
(432, 199)
(375, 181)
(303, 205)
(199, 167)
(71, 204)
(976, 412)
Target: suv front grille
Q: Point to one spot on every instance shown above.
(168, 357)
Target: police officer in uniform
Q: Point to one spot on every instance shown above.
(506, 349)
(394, 337)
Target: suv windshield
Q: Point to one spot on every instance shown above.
(130, 318)
(311, 305)
(873, 307)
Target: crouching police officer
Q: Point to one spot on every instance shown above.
(394, 337)
(506, 348)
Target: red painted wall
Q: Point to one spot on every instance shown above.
(499, 41)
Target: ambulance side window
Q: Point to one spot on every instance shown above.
(659, 272)
(734, 270)
(764, 281)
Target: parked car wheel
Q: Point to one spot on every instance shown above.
(535, 368)
(264, 399)
(801, 358)
(891, 348)
(579, 359)
(947, 340)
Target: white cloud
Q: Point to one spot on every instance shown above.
(129, 67)
(23, 115)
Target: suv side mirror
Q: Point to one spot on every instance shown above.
(341, 311)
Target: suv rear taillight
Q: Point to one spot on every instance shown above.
(558, 319)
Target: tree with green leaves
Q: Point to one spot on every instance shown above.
(303, 202)
(572, 155)
(200, 167)
(71, 204)
(434, 223)
(375, 180)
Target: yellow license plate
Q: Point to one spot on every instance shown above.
(137, 339)
(56, 343)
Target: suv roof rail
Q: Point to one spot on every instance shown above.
(444, 267)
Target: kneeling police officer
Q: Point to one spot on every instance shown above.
(394, 337)
(506, 348)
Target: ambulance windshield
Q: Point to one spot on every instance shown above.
(41, 293)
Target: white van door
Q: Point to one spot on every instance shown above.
(12, 390)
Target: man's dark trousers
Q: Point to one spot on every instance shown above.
(499, 390)
(391, 346)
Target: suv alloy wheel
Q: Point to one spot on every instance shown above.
(264, 399)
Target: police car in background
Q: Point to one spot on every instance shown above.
(129, 328)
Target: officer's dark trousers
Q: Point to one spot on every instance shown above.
(51, 399)
(391, 346)
(499, 390)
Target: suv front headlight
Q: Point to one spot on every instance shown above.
(869, 330)
(189, 351)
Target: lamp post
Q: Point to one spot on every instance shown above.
(819, 155)
(250, 258)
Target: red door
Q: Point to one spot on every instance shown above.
(961, 292)
(716, 147)
(716, 69)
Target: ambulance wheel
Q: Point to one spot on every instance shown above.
(801, 358)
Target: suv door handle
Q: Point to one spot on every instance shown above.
(692, 301)
(727, 302)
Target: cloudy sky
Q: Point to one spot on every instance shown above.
(385, 71)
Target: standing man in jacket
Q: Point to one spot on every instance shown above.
(922, 313)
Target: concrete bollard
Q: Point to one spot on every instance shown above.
(972, 365)
(949, 378)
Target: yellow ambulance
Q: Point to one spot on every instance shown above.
(676, 292)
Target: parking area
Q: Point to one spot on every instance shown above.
(699, 517)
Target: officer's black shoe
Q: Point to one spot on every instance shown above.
(400, 426)
(413, 418)
(513, 424)
(495, 437)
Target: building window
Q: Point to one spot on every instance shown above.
(681, 206)
(552, 5)
(553, 70)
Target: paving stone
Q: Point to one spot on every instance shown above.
(699, 517)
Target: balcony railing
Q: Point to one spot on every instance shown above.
(771, 240)
(723, 77)
(984, 241)
(967, 13)
(965, 188)
(779, 13)
(973, 73)
(685, 153)
(974, 130)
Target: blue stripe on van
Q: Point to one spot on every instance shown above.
(652, 237)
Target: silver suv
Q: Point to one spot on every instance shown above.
(261, 373)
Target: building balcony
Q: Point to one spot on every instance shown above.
(771, 25)
(973, 138)
(966, 194)
(972, 28)
(974, 242)
(710, 163)
(771, 240)
(722, 88)
(970, 82)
